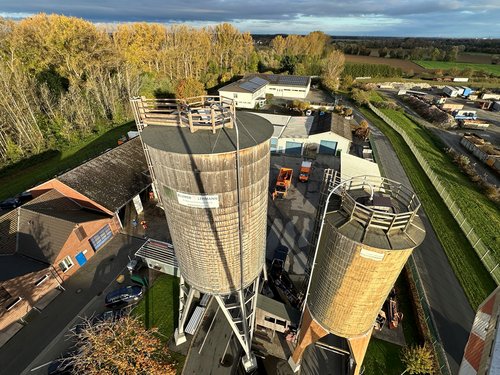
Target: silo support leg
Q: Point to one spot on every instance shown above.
(239, 309)
(185, 299)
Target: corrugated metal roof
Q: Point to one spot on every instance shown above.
(113, 178)
(157, 250)
(195, 320)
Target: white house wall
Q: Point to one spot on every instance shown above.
(241, 99)
(287, 91)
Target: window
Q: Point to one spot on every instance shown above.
(13, 303)
(269, 319)
(42, 280)
(235, 96)
(80, 233)
(4, 295)
(281, 322)
(66, 264)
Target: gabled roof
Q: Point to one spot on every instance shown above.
(254, 82)
(113, 178)
(32, 236)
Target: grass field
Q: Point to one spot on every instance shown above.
(405, 65)
(469, 270)
(383, 358)
(484, 215)
(446, 65)
(159, 308)
(19, 178)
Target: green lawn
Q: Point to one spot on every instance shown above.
(445, 65)
(21, 177)
(159, 308)
(483, 215)
(468, 268)
(160, 305)
(383, 358)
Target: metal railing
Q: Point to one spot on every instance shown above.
(197, 113)
(485, 254)
(407, 203)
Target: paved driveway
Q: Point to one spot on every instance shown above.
(18, 355)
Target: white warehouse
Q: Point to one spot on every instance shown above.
(295, 135)
(250, 91)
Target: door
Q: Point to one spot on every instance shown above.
(293, 148)
(80, 258)
(101, 237)
(327, 147)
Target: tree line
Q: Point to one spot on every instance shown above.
(64, 78)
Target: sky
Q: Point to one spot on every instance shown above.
(425, 18)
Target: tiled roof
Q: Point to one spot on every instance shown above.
(32, 236)
(113, 178)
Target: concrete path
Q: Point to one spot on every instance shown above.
(451, 310)
(212, 340)
(81, 289)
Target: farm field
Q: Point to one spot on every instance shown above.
(405, 65)
(474, 58)
(469, 270)
(445, 65)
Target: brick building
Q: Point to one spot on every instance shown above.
(112, 183)
(42, 243)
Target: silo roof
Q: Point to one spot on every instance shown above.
(253, 131)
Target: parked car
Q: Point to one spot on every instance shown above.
(10, 203)
(308, 112)
(123, 295)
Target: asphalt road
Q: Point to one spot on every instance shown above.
(451, 310)
(43, 339)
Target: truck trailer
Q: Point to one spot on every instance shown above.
(283, 183)
(465, 114)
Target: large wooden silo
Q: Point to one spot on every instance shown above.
(370, 228)
(210, 170)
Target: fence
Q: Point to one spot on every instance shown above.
(484, 253)
(439, 352)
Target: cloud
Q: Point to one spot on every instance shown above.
(264, 16)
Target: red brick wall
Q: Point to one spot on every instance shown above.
(68, 192)
(73, 245)
(24, 286)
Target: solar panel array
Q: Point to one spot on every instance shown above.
(259, 81)
(293, 80)
(253, 84)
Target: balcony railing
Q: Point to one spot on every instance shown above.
(197, 113)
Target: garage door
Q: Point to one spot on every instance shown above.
(327, 147)
(101, 237)
(274, 144)
(293, 148)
